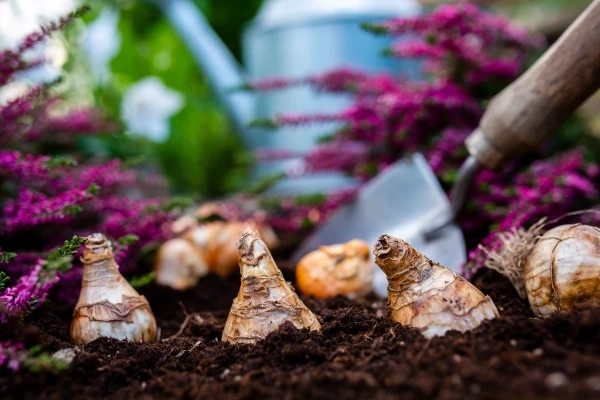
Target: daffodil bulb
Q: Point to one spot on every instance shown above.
(556, 270)
(179, 264)
(340, 269)
(108, 305)
(265, 300)
(216, 241)
(563, 269)
(183, 224)
(426, 295)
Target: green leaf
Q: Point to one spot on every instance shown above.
(61, 161)
(311, 199)
(373, 28)
(270, 203)
(72, 209)
(134, 161)
(142, 280)
(93, 189)
(266, 183)
(3, 279)
(38, 361)
(307, 224)
(177, 203)
(60, 259)
(6, 256)
(265, 123)
(325, 139)
(70, 247)
(128, 239)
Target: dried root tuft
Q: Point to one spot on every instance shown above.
(517, 244)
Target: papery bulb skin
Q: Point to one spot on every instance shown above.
(179, 264)
(426, 295)
(563, 269)
(183, 224)
(108, 306)
(265, 300)
(340, 269)
(216, 241)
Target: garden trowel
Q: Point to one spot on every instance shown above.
(400, 202)
(407, 200)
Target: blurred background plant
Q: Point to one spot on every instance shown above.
(145, 76)
(50, 190)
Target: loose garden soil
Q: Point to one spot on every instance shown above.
(358, 354)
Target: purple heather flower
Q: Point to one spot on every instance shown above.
(30, 292)
(299, 120)
(417, 49)
(337, 156)
(12, 355)
(33, 208)
(19, 166)
(268, 154)
(108, 176)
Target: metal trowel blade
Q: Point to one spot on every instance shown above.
(402, 202)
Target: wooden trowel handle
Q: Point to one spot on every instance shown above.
(531, 109)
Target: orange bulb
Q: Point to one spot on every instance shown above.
(340, 269)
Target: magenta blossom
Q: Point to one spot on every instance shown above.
(12, 355)
(29, 293)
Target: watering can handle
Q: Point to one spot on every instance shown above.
(218, 65)
(531, 109)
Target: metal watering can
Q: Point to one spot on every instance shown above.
(290, 39)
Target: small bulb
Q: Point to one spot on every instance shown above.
(340, 269)
(179, 265)
(216, 241)
(183, 224)
(108, 305)
(265, 300)
(556, 270)
(563, 269)
(426, 295)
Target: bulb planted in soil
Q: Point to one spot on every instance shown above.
(108, 305)
(179, 264)
(340, 269)
(265, 300)
(426, 295)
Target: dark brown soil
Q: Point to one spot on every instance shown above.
(359, 354)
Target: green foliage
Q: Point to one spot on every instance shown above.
(93, 189)
(266, 183)
(6, 256)
(3, 279)
(142, 280)
(373, 28)
(61, 161)
(38, 361)
(263, 123)
(311, 199)
(128, 239)
(199, 155)
(60, 259)
(72, 209)
(70, 247)
(177, 203)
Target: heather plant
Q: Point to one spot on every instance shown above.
(468, 55)
(14, 357)
(50, 192)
